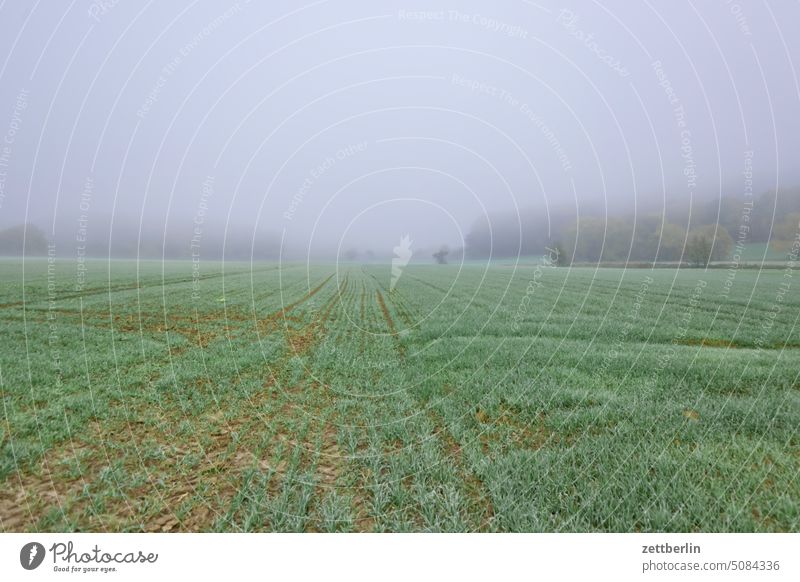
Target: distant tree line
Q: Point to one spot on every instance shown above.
(22, 237)
(152, 244)
(695, 235)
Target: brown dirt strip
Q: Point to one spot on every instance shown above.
(480, 500)
(119, 288)
(270, 322)
(363, 299)
(333, 461)
(224, 458)
(330, 463)
(300, 341)
(401, 307)
(53, 485)
(390, 322)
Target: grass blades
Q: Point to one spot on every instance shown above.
(316, 399)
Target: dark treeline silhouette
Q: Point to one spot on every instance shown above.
(698, 234)
(99, 240)
(27, 238)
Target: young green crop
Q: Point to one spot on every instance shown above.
(318, 398)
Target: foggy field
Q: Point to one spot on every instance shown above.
(269, 397)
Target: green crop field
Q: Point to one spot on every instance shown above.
(292, 398)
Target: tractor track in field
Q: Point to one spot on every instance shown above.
(307, 399)
(331, 461)
(52, 485)
(300, 341)
(363, 300)
(390, 322)
(429, 284)
(227, 446)
(402, 308)
(132, 287)
(481, 508)
(386, 315)
(270, 322)
(480, 500)
(34, 478)
(354, 484)
(184, 502)
(232, 463)
(321, 449)
(198, 330)
(362, 332)
(329, 425)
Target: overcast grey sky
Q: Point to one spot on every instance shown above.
(343, 122)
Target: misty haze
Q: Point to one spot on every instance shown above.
(449, 266)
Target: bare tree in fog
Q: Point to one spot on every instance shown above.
(441, 255)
